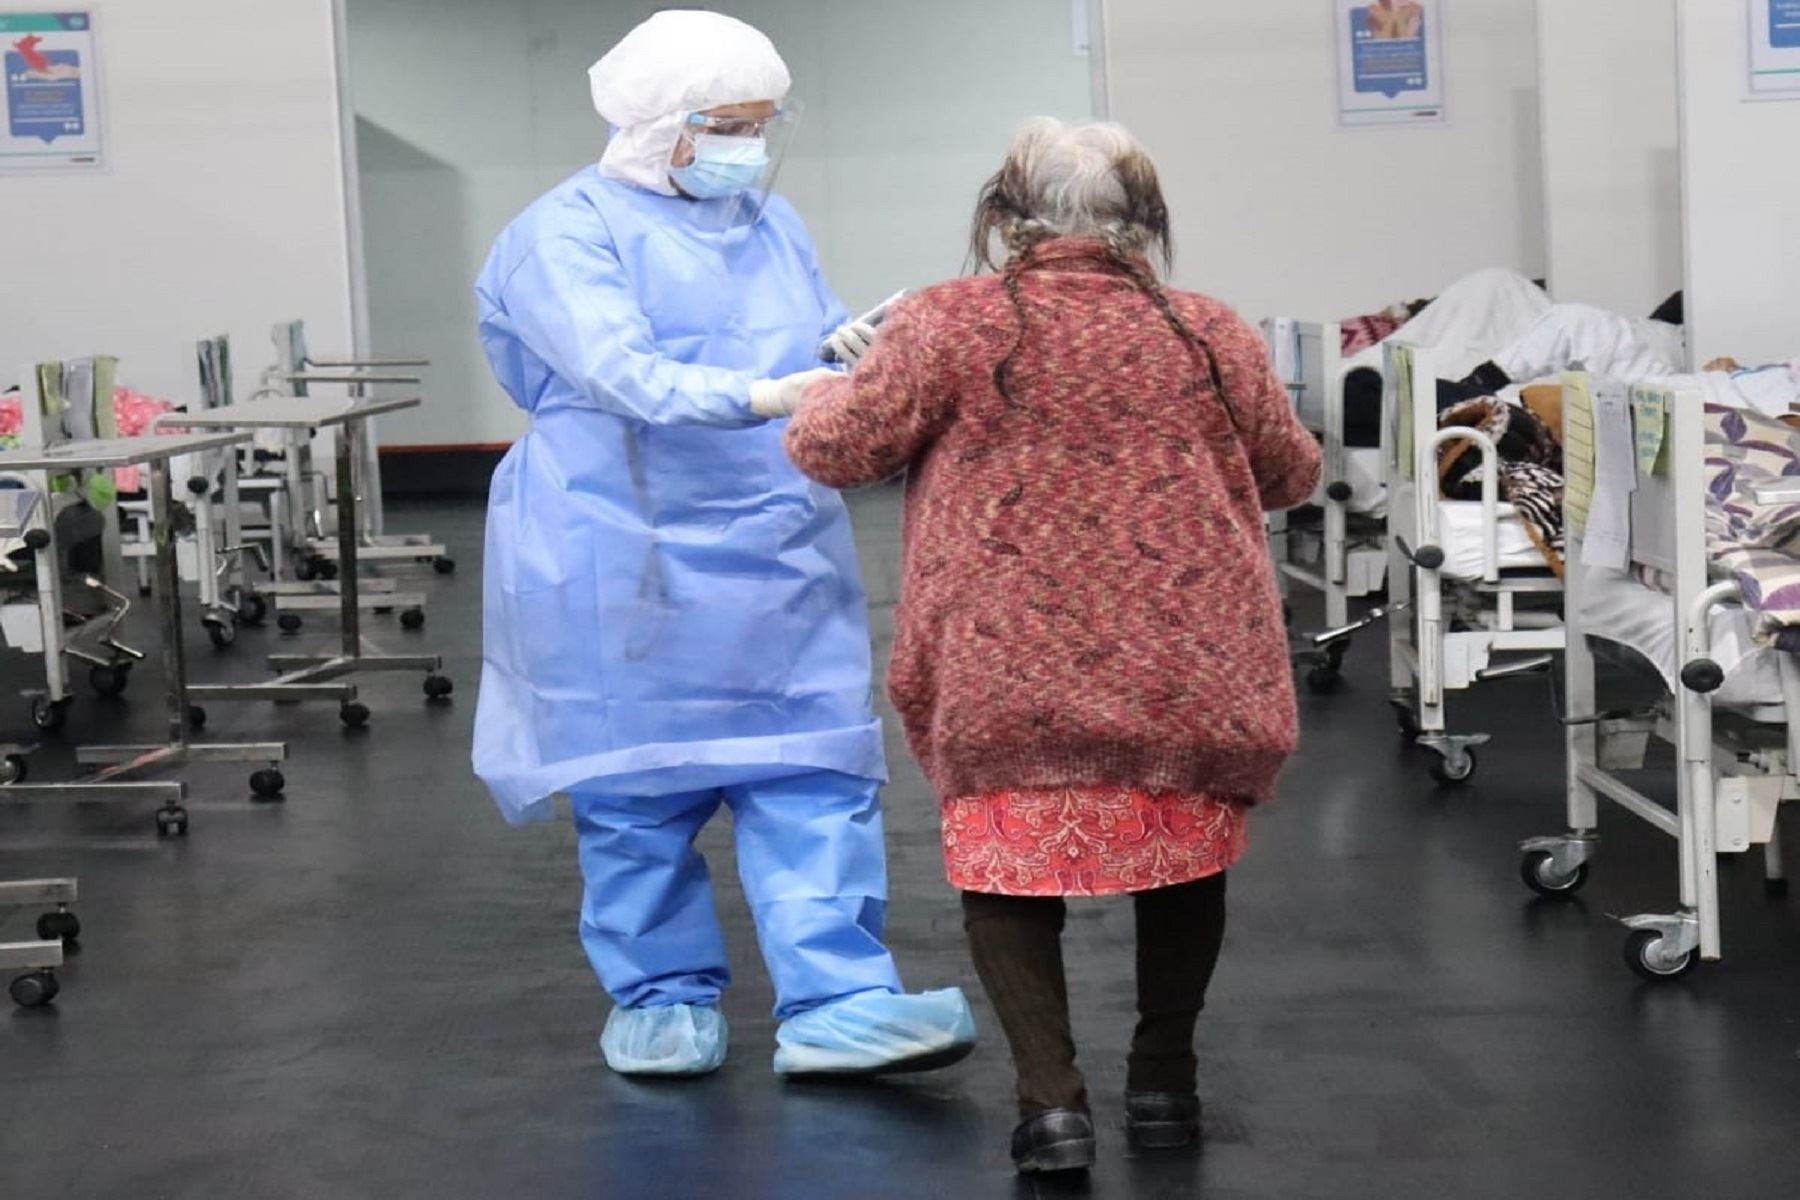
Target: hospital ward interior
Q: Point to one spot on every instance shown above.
(793, 600)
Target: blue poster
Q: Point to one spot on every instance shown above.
(1388, 58)
(1784, 24)
(43, 94)
(50, 91)
(1390, 61)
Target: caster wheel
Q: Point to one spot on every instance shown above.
(58, 927)
(289, 622)
(354, 715)
(1643, 954)
(13, 769)
(438, 687)
(252, 609)
(110, 680)
(1323, 681)
(444, 566)
(49, 715)
(1775, 889)
(1407, 722)
(222, 633)
(267, 783)
(196, 716)
(413, 618)
(171, 822)
(34, 990)
(328, 570)
(307, 570)
(1542, 877)
(143, 591)
(1458, 768)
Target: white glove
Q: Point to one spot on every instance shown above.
(852, 340)
(772, 399)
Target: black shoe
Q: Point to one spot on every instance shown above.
(1485, 380)
(1162, 1120)
(1060, 1139)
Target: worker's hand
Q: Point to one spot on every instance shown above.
(772, 399)
(852, 340)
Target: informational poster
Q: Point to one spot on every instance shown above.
(1390, 61)
(52, 92)
(1775, 49)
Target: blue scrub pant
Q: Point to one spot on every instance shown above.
(814, 870)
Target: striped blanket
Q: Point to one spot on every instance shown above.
(1757, 544)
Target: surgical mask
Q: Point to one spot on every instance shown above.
(722, 166)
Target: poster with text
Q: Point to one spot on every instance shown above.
(52, 92)
(1390, 61)
(1775, 49)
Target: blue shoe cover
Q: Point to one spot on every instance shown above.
(674, 1039)
(877, 1033)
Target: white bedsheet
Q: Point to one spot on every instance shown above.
(1620, 609)
(1472, 320)
(1461, 536)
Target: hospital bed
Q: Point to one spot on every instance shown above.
(1474, 585)
(1725, 705)
(1341, 556)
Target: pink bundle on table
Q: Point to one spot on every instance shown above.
(132, 411)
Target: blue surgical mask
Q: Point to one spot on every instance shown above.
(722, 166)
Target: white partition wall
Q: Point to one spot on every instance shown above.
(1612, 161)
(220, 210)
(1741, 194)
(1277, 209)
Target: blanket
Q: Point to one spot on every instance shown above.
(1530, 468)
(1757, 544)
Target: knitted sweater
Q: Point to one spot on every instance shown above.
(1087, 596)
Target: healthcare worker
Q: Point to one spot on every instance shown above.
(673, 615)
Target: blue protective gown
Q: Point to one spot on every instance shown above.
(670, 606)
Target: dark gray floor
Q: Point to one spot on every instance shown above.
(375, 990)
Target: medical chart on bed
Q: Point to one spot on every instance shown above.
(52, 92)
(1606, 543)
(1390, 61)
(1578, 451)
(1650, 423)
(1775, 49)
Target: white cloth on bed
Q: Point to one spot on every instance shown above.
(1604, 343)
(1470, 322)
(1620, 609)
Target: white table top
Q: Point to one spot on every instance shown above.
(290, 412)
(98, 453)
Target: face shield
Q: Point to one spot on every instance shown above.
(727, 164)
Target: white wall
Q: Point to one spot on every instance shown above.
(1612, 162)
(1276, 210)
(222, 208)
(1740, 177)
(468, 109)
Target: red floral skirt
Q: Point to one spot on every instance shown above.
(1099, 841)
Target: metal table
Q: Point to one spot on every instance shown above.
(308, 676)
(40, 959)
(119, 763)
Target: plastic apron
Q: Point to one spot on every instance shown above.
(669, 605)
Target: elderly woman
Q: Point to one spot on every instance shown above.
(1090, 657)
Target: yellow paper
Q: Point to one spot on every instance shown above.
(1650, 419)
(1578, 450)
(1403, 386)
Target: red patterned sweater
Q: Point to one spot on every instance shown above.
(1087, 595)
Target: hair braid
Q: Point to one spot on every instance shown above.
(1139, 272)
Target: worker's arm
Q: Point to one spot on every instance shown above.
(868, 426)
(569, 303)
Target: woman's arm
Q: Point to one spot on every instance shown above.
(867, 426)
(1284, 455)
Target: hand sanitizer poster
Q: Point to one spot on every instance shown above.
(51, 93)
(1390, 61)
